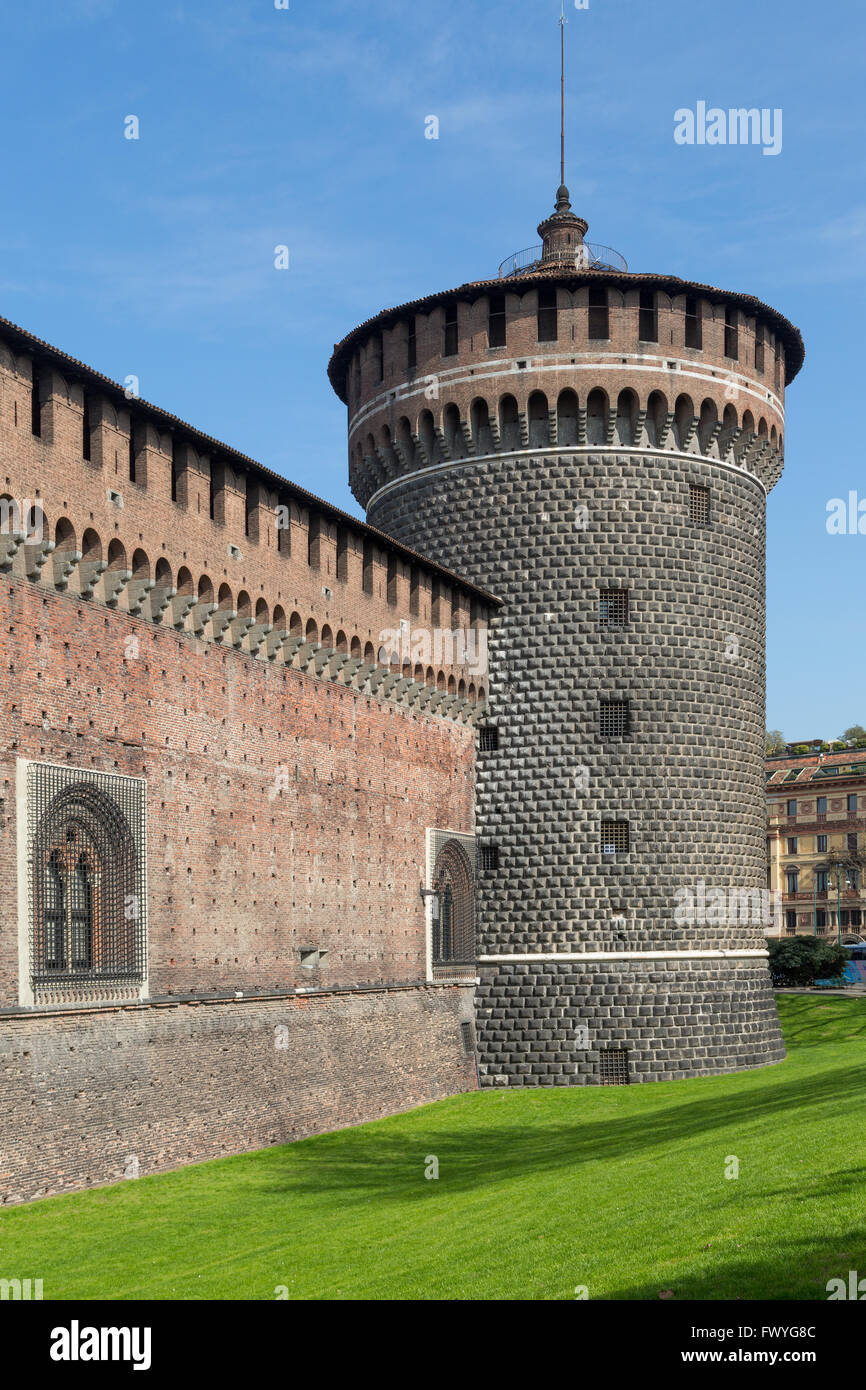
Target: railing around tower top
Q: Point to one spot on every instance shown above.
(589, 255)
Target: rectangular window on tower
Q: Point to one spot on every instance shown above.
(548, 330)
(759, 347)
(732, 347)
(612, 608)
(648, 328)
(613, 719)
(496, 321)
(699, 504)
(412, 347)
(449, 342)
(614, 838)
(694, 337)
(598, 325)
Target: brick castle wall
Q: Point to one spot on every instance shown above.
(284, 813)
(93, 1097)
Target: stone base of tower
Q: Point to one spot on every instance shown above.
(611, 1022)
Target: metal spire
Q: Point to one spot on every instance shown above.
(562, 24)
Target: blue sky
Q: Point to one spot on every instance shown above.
(305, 127)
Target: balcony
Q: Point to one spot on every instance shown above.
(588, 255)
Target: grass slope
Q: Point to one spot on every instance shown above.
(539, 1191)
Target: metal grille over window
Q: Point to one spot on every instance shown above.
(488, 857)
(699, 504)
(613, 1066)
(612, 607)
(613, 718)
(86, 868)
(614, 837)
(452, 879)
(488, 738)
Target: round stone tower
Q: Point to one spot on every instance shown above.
(596, 447)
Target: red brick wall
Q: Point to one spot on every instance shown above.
(50, 470)
(242, 874)
(93, 1097)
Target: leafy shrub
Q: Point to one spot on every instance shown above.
(800, 960)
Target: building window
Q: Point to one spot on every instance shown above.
(852, 842)
(852, 880)
(131, 449)
(496, 321)
(548, 328)
(732, 340)
(449, 345)
(35, 405)
(613, 718)
(488, 857)
(452, 906)
(367, 567)
(777, 366)
(85, 428)
(699, 504)
(614, 837)
(342, 554)
(792, 808)
(821, 879)
(852, 802)
(412, 347)
(759, 348)
(613, 1066)
(612, 608)
(694, 334)
(821, 918)
(792, 844)
(488, 738)
(314, 533)
(377, 349)
(793, 879)
(821, 804)
(598, 325)
(648, 321)
(821, 844)
(856, 917)
(86, 841)
(391, 589)
(175, 470)
(791, 922)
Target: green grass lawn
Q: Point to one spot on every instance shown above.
(620, 1189)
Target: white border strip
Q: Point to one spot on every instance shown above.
(528, 454)
(628, 955)
(407, 391)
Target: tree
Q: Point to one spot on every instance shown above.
(801, 960)
(775, 742)
(856, 734)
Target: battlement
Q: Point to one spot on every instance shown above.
(112, 500)
(553, 361)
